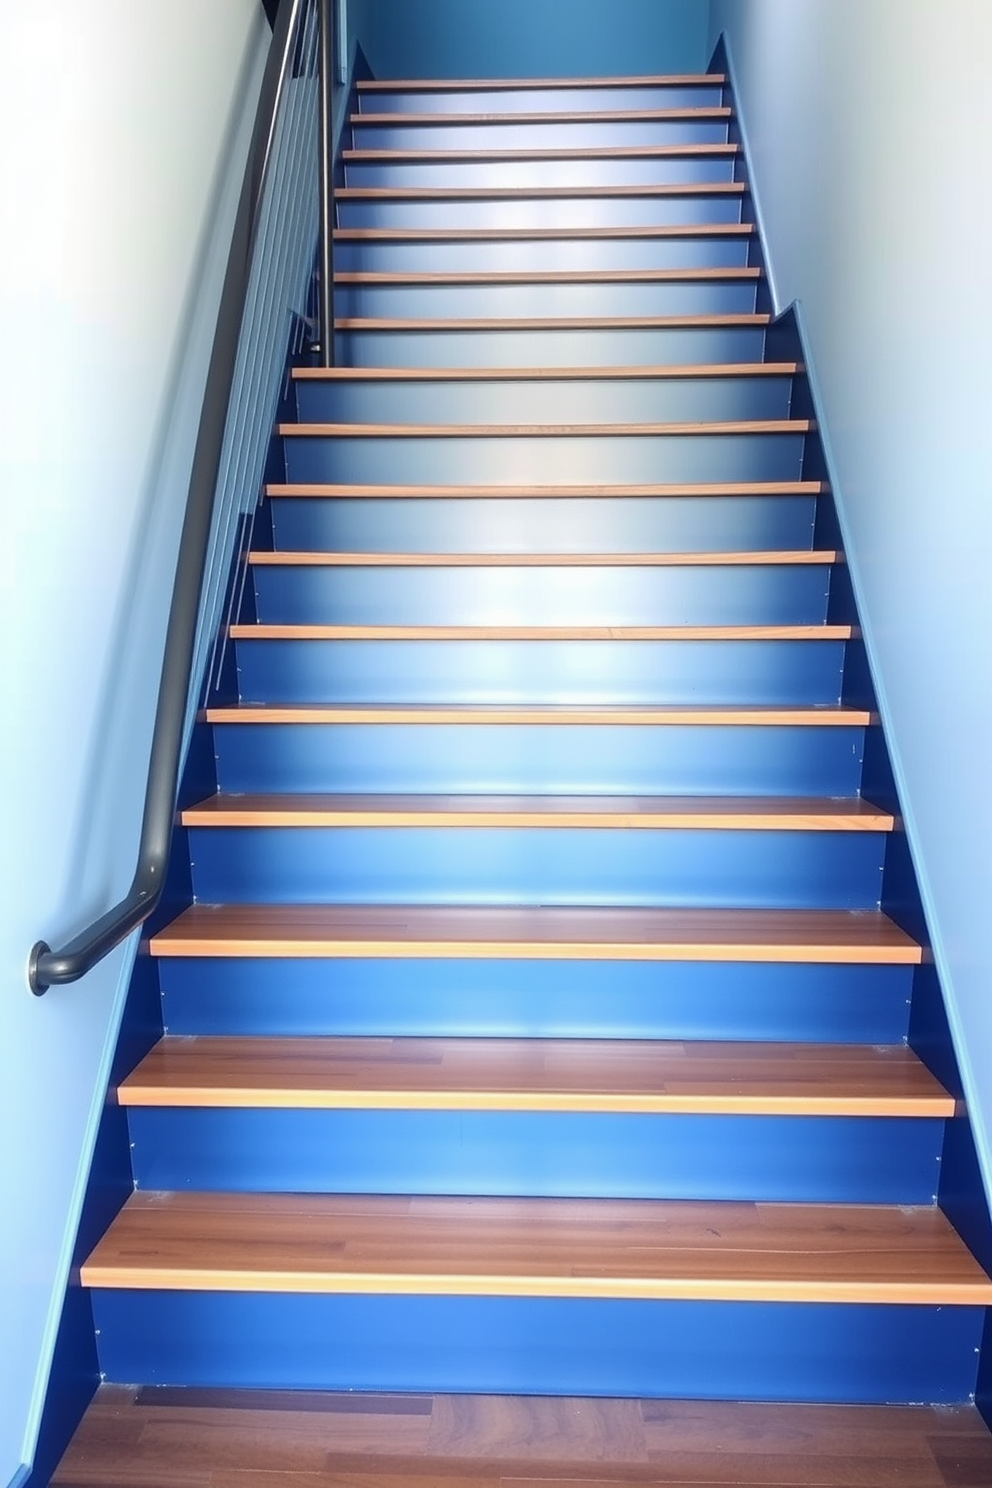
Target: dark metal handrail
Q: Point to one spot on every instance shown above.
(46, 967)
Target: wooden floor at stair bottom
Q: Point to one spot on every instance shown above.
(166, 1438)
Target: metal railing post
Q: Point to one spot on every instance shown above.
(325, 53)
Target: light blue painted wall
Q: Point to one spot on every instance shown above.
(118, 197)
(533, 38)
(870, 128)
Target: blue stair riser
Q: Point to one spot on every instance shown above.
(646, 524)
(536, 255)
(544, 134)
(488, 301)
(761, 1158)
(793, 672)
(711, 1350)
(763, 594)
(691, 760)
(553, 460)
(544, 401)
(546, 211)
(539, 174)
(532, 999)
(576, 99)
(549, 865)
(557, 347)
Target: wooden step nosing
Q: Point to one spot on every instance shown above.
(728, 490)
(634, 232)
(530, 324)
(455, 194)
(661, 372)
(773, 558)
(260, 631)
(724, 428)
(494, 714)
(253, 1098)
(511, 278)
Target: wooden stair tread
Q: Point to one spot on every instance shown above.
(491, 932)
(557, 276)
(592, 152)
(269, 632)
(541, 234)
(836, 1253)
(745, 813)
(538, 193)
(526, 85)
(549, 323)
(802, 557)
(701, 112)
(838, 1080)
(828, 715)
(541, 431)
(670, 371)
(346, 492)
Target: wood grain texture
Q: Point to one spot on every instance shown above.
(267, 632)
(373, 492)
(285, 558)
(828, 937)
(553, 323)
(524, 85)
(726, 1079)
(194, 1438)
(541, 234)
(543, 374)
(480, 715)
(570, 276)
(542, 431)
(644, 1248)
(741, 813)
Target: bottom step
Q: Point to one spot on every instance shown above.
(653, 1298)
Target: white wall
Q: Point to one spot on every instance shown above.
(870, 128)
(124, 130)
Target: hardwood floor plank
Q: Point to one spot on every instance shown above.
(728, 489)
(262, 632)
(536, 1075)
(397, 931)
(542, 431)
(541, 374)
(743, 813)
(428, 1245)
(493, 1441)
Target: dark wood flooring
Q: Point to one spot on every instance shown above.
(168, 1438)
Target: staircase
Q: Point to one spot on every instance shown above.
(535, 1027)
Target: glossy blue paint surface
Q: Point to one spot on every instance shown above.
(549, 865)
(541, 174)
(574, 999)
(678, 524)
(743, 1351)
(794, 672)
(444, 301)
(548, 400)
(497, 135)
(540, 348)
(482, 757)
(479, 1152)
(546, 460)
(456, 101)
(535, 254)
(696, 594)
